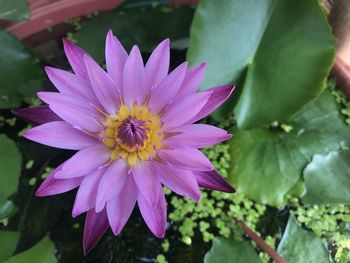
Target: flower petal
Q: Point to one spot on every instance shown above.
(213, 180)
(62, 80)
(133, 86)
(197, 136)
(183, 110)
(219, 96)
(36, 115)
(193, 78)
(120, 208)
(103, 86)
(52, 186)
(115, 59)
(186, 158)
(166, 90)
(96, 225)
(155, 217)
(71, 84)
(112, 182)
(181, 181)
(147, 181)
(75, 56)
(72, 110)
(86, 197)
(84, 162)
(60, 134)
(157, 66)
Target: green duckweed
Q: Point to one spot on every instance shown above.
(217, 212)
(331, 223)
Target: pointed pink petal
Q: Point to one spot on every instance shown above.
(147, 182)
(103, 86)
(120, 208)
(166, 90)
(115, 59)
(72, 110)
(112, 182)
(52, 186)
(96, 225)
(60, 134)
(155, 217)
(193, 78)
(84, 162)
(157, 66)
(63, 80)
(186, 158)
(219, 96)
(133, 87)
(197, 136)
(213, 180)
(75, 56)
(181, 181)
(70, 84)
(183, 110)
(86, 196)
(36, 115)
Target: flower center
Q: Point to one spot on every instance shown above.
(133, 134)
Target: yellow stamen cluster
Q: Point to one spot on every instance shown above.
(147, 150)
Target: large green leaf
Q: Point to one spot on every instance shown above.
(285, 46)
(10, 163)
(300, 246)
(327, 178)
(42, 252)
(14, 9)
(230, 250)
(8, 243)
(267, 164)
(20, 73)
(145, 27)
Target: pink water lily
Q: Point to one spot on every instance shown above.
(133, 129)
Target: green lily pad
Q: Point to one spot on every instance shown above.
(144, 27)
(299, 245)
(267, 164)
(8, 243)
(20, 73)
(230, 250)
(327, 179)
(10, 163)
(14, 9)
(284, 47)
(42, 252)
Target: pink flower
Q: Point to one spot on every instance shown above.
(134, 132)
